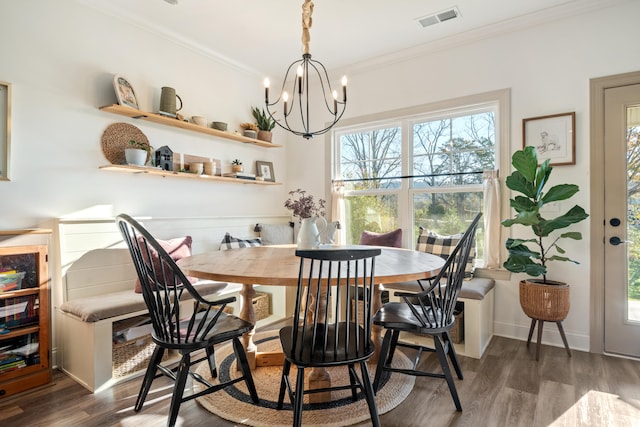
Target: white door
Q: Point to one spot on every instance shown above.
(622, 220)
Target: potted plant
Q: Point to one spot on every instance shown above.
(250, 130)
(265, 123)
(236, 166)
(137, 153)
(540, 299)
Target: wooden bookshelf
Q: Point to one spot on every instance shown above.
(22, 328)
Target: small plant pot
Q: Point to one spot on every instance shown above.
(237, 168)
(135, 156)
(265, 135)
(250, 134)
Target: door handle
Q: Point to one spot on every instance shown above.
(615, 241)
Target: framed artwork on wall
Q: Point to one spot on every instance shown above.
(124, 92)
(552, 136)
(265, 170)
(5, 130)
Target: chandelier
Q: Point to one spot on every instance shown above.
(295, 104)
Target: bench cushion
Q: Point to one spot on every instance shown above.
(475, 288)
(100, 307)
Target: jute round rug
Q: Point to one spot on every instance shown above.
(234, 404)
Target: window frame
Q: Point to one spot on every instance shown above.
(466, 105)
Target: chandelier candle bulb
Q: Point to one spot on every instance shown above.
(344, 88)
(266, 90)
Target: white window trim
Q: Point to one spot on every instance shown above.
(452, 107)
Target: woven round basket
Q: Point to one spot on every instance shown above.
(548, 302)
(115, 140)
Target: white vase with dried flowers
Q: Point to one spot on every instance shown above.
(311, 215)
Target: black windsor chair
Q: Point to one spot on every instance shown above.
(429, 312)
(327, 329)
(163, 284)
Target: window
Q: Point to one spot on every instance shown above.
(422, 167)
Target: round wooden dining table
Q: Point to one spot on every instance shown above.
(279, 266)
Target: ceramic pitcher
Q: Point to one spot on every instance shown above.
(310, 230)
(168, 98)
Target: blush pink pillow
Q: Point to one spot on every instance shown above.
(177, 249)
(391, 239)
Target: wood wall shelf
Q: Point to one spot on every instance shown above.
(163, 173)
(168, 121)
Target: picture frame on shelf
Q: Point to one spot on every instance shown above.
(124, 92)
(265, 170)
(5, 130)
(552, 136)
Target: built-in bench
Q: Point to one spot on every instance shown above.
(477, 296)
(98, 278)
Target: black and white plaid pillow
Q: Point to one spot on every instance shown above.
(435, 244)
(230, 242)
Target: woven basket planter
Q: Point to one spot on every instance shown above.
(541, 301)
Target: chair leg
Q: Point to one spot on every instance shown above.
(241, 357)
(211, 356)
(178, 389)
(564, 337)
(299, 399)
(540, 326)
(442, 357)
(368, 393)
(283, 382)
(394, 343)
(453, 357)
(353, 379)
(149, 376)
(382, 359)
(531, 328)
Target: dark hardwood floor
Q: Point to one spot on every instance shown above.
(507, 387)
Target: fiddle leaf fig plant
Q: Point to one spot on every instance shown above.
(531, 256)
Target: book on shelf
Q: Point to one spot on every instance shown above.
(13, 366)
(241, 175)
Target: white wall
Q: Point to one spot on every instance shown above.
(60, 57)
(548, 68)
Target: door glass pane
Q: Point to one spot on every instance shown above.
(377, 213)
(633, 209)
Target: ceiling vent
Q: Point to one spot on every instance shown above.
(442, 16)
